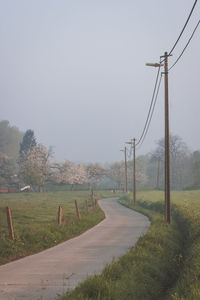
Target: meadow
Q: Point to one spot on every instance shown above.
(35, 216)
(164, 264)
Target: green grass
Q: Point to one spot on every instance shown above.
(35, 220)
(186, 213)
(165, 263)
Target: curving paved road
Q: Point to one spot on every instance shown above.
(53, 271)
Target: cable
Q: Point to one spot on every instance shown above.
(185, 46)
(153, 102)
(151, 112)
(195, 2)
(154, 90)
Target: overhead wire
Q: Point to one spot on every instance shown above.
(185, 45)
(150, 108)
(190, 14)
(154, 98)
(154, 104)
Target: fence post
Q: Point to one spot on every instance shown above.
(10, 225)
(59, 215)
(92, 199)
(86, 206)
(77, 209)
(96, 202)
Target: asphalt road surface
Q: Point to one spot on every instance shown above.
(53, 271)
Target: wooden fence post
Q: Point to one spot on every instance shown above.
(77, 209)
(96, 202)
(59, 215)
(10, 225)
(92, 199)
(86, 206)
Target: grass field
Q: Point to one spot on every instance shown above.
(165, 263)
(35, 220)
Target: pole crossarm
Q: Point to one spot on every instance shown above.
(156, 65)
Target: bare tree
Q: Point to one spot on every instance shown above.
(179, 156)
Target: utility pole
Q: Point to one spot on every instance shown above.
(132, 143)
(134, 173)
(125, 168)
(167, 141)
(126, 175)
(167, 145)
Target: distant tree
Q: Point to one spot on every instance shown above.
(7, 170)
(35, 166)
(10, 139)
(179, 160)
(156, 161)
(141, 178)
(28, 142)
(196, 168)
(95, 173)
(70, 173)
(116, 173)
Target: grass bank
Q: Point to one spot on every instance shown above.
(35, 221)
(165, 263)
(186, 212)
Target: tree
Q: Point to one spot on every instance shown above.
(196, 168)
(179, 160)
(7, 170)
(156, 161)
(95, 173)
(116, 173)
(28, 142)
(35, 166)
(141, 178)
(70, 173)
(10, 139)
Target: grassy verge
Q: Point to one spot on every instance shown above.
(165, 263)
(35, 221)
(186, 212)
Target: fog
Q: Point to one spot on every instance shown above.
(74, 72)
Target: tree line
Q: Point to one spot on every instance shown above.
(25, 162)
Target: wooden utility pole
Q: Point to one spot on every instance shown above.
(167, 146)
(126, 175)
(125, 169)
(167, 138)
(132, 143)
(134, 173)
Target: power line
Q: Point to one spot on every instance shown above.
(195, 2)
(152, 111)
(185, 46)
(152, 100)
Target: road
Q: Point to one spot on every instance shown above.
(55, 270)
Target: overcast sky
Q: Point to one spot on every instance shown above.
(74, 72)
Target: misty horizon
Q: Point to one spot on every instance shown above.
(75, 73)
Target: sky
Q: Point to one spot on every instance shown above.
(74, 72)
